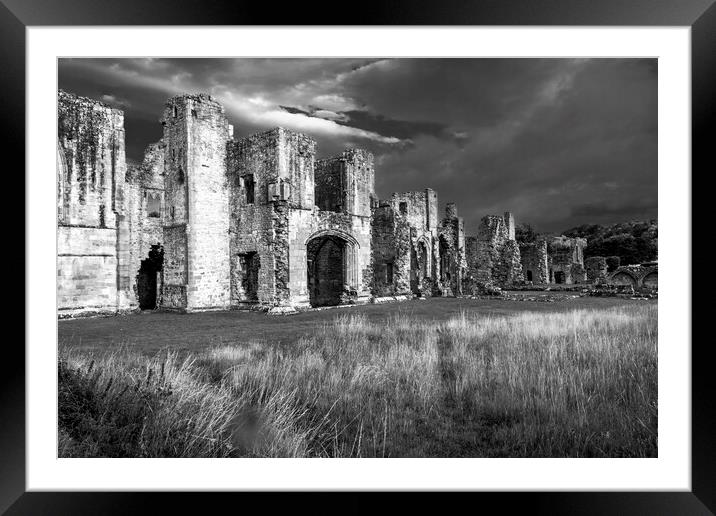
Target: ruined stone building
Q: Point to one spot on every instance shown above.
(566, 260)
(596, 269)
(535, 261)
(640, 276)
(209, 221)
(556, 259)
(493, 256)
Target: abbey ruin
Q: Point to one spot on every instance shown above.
(211, 222)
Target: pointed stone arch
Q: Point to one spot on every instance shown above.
(332, 268)
(335, 233)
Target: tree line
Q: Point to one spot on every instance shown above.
(632, 242)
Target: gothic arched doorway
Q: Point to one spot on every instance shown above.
(326, 270)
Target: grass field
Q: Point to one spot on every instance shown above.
(151, 332)
(437, 378)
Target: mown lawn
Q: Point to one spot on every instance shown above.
(480, 380)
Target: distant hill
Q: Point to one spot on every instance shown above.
(633, 242)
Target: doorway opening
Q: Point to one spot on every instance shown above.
(149, 269)
(250, 264)
(326, 270)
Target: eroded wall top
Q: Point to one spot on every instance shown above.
(92, 166)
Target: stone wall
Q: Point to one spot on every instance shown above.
(253, 165)
(174, 294)
(471, 259)
(86, 269)
(534, 259)
(354, 235)
(278, 166)
(510, 225)
(145, 209)
(296, 170)
(346, 183)
(91, 161)
(405, 244)
(596, 267)
(384, 237)
(196, 133)
(567, 260)
(450, 254)
(494, 255)
(509, 268)
(416, 235)
(283, 221)
(329, 179)
(92, 236)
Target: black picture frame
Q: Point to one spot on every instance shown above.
(700, 15)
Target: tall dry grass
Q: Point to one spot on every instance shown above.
(581, 383)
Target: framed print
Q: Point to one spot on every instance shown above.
(419, 252)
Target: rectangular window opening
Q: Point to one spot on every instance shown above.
(250, 187)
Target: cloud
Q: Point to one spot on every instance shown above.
(114, 101)
(559, 142)
(255, 106)
(607, 208)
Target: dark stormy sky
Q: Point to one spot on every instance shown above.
(559, 142)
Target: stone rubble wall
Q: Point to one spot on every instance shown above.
(251, 225)
(596, 267)
(451, 254)
(144, 182)
(414, 238)
(534, 258)
(329, 184)
(383, 245)
(567, 259)
(296, 163)
(494, 255)
(346, 183)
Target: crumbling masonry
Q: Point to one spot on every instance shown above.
(211, 222)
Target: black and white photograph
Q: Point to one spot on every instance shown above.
(357, 258)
